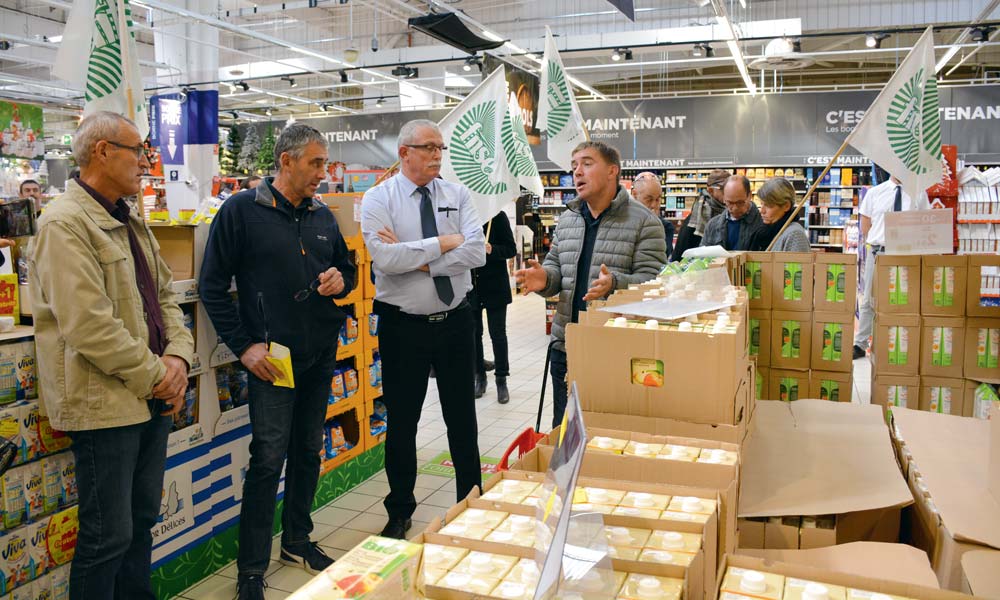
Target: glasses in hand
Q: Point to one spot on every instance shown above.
(303, 295)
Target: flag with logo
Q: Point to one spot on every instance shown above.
(901, 131)
(558, 113)
(515, 145)
(92, 56)
(475, 157)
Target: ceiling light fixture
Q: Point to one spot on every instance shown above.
(616, 55)
(244, 85)
(290, 80)
(268, 112)
(472, 61)
(405, 72)
(697, 51)
(379, 102)
(982, 34)
(709, 51)
(343, 76)
(874, 40)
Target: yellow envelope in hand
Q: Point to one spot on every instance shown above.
(281, 357)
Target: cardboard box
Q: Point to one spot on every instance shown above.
(897, 284)
(177, 247)
(782, 533)
(943, 291)
(983, 296)
(758, 279)
(792, 283)
(832, 342)
(979, 397)
(831, 385)
(942, 346)
(787, 385)
(732, 434)
(645, 438)
(602, 362)
(982, 349)
(896, 344)
(942, 395)
(343, 208)
(896, 390)
(760, 336)
(392, 563)
(751, 534)
(763, 384)
(791, 339)
(835, 283)
(981, 573)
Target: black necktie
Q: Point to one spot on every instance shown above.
(430, 230)
(897, 204)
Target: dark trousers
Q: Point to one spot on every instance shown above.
(285, 422)
(557, 371)
(409, 348)
(119, 474)
(496, 319)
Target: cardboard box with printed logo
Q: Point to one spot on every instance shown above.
(788, 385)
(897, 284)
(943, 285)
(760, 336)
(792, 282)
(896, 390)
(942, 395)
(942, 346)
(896, 344)
(836, 386)
(979, 397)
(791, 339)
(983, 288)
(835, 282)
(982, 349)
(832, 341)
(758, 279)
(764, 383)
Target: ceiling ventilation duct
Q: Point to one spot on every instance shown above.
(450, 29)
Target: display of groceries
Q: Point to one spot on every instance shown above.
(747, 584)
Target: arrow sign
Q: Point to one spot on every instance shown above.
(172, 144)
(172, 125)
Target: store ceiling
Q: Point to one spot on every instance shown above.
(831, 35)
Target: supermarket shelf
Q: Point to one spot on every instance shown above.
(841, 187)
(338, 408)
(827, 245)
(353, 297)
(977, 221)
(352, 349)
(826, 226)
(19, 331)
(682, 194)
(333, 463)
(685, 181)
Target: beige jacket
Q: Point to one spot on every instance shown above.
(94, 364)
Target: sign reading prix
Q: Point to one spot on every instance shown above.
(21, 131)
(919, 232)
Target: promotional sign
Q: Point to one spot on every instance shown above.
(919, 232)
(171, 127)
(21, 131)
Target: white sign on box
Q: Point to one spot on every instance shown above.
(919, 232)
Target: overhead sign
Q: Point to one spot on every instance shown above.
(920, 232)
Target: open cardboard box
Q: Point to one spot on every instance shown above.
(602, 361)
(942, 346)
(835, 279)
(899, 294)
(945, 281)
(641, 470)
(974, 304)
(792, 281)
(981, 573)
(826, 458)
(832, 353)
(896, 344)
(730, 434)
(645, 438)
(177, 247)
(981, 349)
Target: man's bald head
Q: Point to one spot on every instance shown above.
(647, 191)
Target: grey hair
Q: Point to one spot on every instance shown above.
(650, 184)
(101, 125)
(408, 133)
(294, 139)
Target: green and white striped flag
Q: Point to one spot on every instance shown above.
(515, 145)
(901, 131)
(558, 113)
(91, 56)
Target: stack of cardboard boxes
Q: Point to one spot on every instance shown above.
(936, 341)
(801, 324)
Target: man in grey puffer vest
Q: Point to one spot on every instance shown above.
(604, 233)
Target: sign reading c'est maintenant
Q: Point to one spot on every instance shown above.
(919, 232)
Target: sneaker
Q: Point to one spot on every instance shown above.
(250, 587)
(308, 556)
(859, 352)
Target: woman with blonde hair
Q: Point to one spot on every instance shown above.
(777, 197)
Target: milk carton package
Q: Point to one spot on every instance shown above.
(25, 592)
(59, 583)
(52, 482)
(12, 489)
(68, 478)
(27, 374)
(10, 428)
(40, 560)
(32, 440)
(15, 564)
(34, 490)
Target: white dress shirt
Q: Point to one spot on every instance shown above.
(879, 200)
(398, 281)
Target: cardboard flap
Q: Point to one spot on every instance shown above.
(893, 562)
(982, 572)
(952, 456)
(994, 457)
(814, 457)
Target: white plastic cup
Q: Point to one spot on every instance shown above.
(652, 324)
(621, 322)
(684, 326)
(753, 581)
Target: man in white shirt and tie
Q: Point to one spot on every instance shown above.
(885, 197)
(425, 236)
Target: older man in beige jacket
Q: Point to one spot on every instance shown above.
(113, 355)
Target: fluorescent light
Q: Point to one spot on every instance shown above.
(734, 49)
(491, 36)
(950, 54)
(55, 39)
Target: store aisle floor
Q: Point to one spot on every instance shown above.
(359, 513)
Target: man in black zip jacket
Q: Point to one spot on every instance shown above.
(290, 262)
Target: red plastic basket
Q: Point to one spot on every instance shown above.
(525, 442)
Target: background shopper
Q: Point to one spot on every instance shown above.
(491, 291)
(708, 205)
(733, 228)
(777, 201)
(646, 188)
(105, 315)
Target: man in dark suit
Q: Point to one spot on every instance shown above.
(491, 291)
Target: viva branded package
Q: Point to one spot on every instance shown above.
(15, 563)
(899, 285)
(897, 395)
(942, 346)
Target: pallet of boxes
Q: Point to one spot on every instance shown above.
(937, 333)
(801, 324)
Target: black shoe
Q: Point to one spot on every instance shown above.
(250, 587)
(489, 365)
(859, 353)
(396, 528)
(308, 556)
(503, 396)
(480, 382)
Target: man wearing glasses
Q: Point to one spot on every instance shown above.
(733, 228)
(290, 262)
(113, 355)
(708, 205)
(425, 236)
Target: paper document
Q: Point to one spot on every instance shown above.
(281, 357)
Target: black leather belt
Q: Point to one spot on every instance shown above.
(438, 317)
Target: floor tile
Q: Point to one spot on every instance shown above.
(335, 516)
(344, 538)
(288, 579)
(356, 501)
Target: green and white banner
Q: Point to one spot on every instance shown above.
(519, 155)
(91, 56)
(558, 113)
(901, 131)
(476, 156)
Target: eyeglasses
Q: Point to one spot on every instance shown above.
(303, 295)
(136, 150)
(429, 148)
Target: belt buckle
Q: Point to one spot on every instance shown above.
(437, 317)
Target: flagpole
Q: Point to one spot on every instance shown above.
(123, 41)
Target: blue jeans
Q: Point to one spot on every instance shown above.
(285, 422)
(119, 472)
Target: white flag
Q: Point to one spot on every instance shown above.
(558, 113)
(515, 144)
(901, 131)
(90, 56)
(475, 156)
